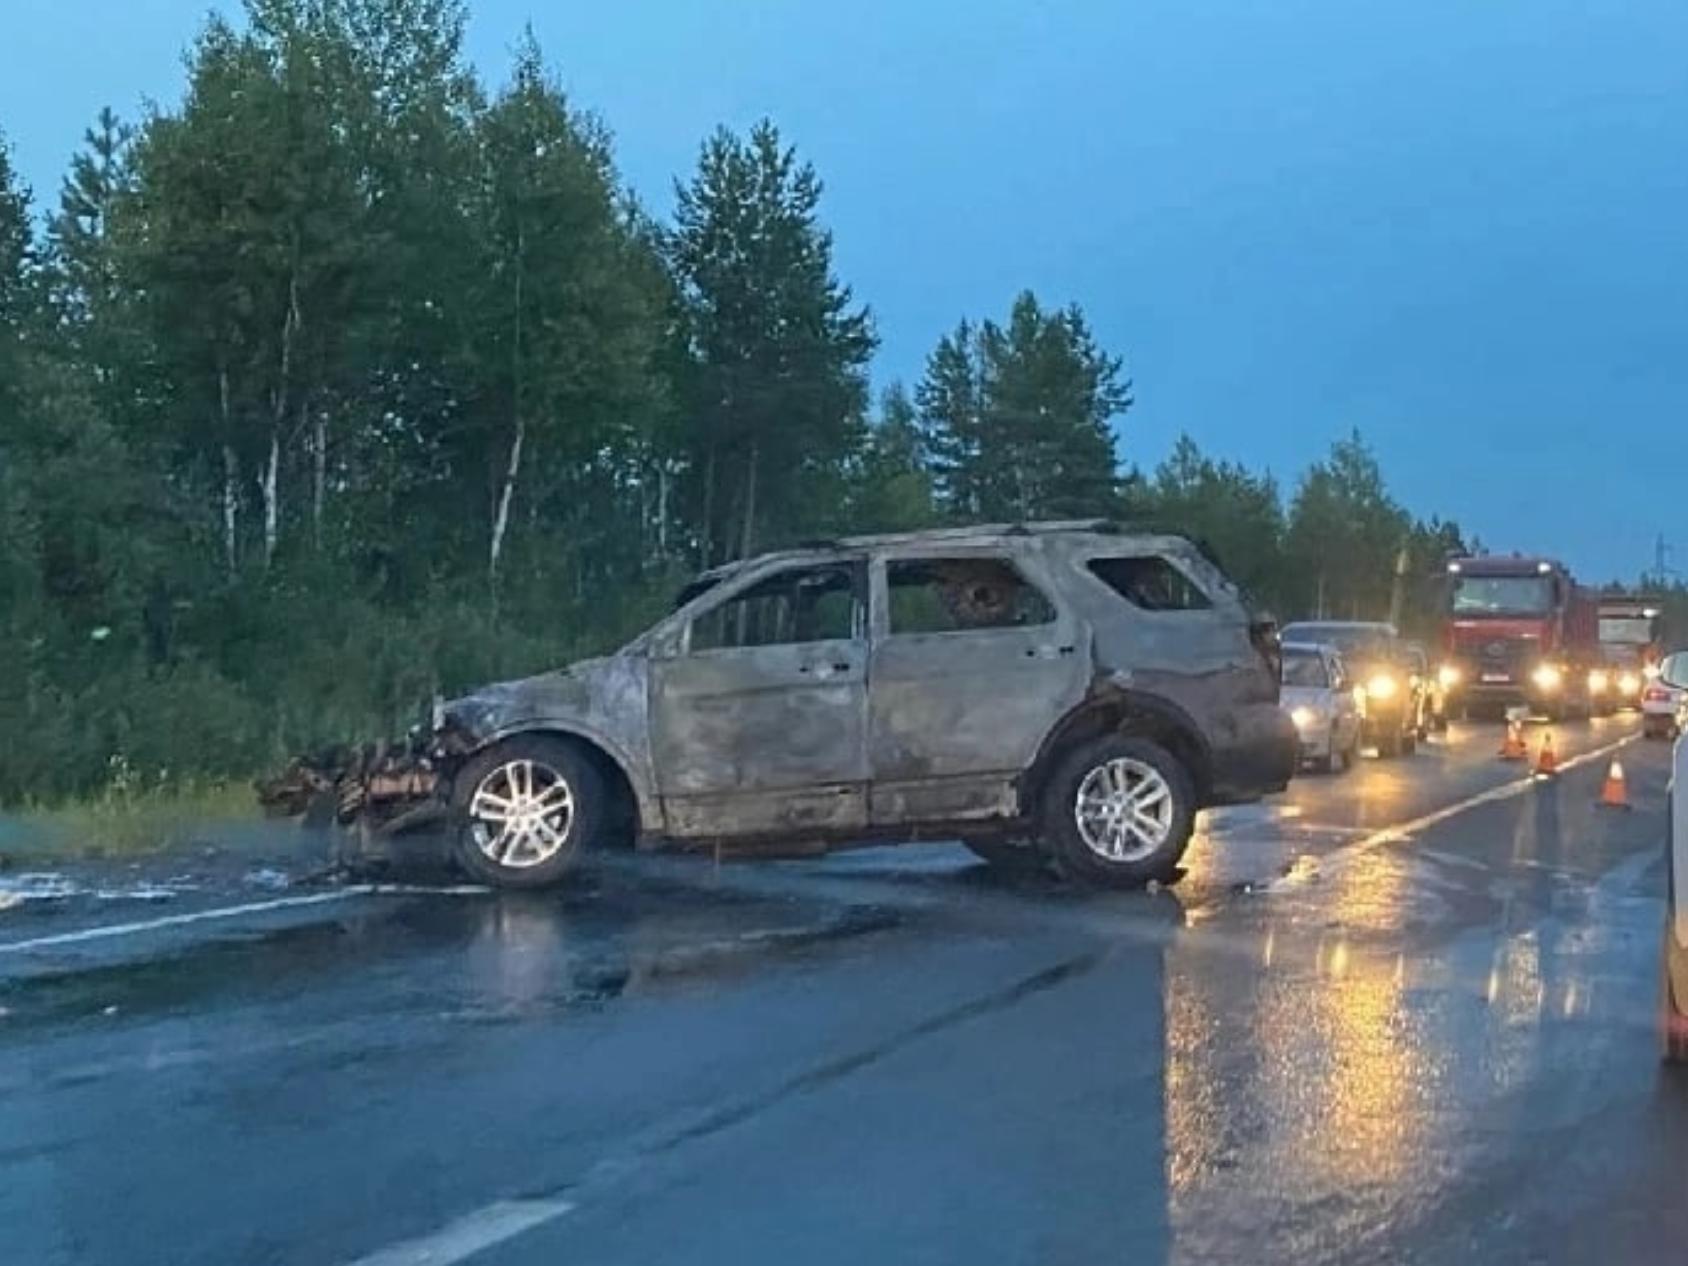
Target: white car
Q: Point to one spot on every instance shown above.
(1664, 703)
(1673, 956)
(1321, 701)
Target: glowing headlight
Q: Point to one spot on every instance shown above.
(1547, 677)
(1448, 675)
(1650, 672)
(1598, 681)
(1629, 683)
(1303, 717)
(1382, 686)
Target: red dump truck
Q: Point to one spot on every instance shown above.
(1632, 639)
(1520, 631)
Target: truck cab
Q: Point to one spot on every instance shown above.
(1519, 631)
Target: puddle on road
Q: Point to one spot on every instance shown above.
(488, 959)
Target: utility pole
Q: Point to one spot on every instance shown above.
(1661, 557)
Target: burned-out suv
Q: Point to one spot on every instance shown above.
(1060, 691)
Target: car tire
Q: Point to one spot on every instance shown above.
(528, 772)
(1390, 744)
(1409, 742)
(1008, 856)
(1098, 776)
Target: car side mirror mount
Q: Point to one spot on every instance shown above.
(665, 644)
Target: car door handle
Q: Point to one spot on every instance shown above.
(1049, 652)
(837, 666)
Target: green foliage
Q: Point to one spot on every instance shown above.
(1237, 513)
(1346, 533)
(1018, 418)
(348, 382)
(774, 376)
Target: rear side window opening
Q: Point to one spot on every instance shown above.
(1150, 582)
(961, 595)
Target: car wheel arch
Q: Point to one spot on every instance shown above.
(1128, 712)
(617, 771)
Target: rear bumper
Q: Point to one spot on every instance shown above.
(1259, 760)
(1385, 718)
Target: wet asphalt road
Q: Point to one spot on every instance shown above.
(1364, 1028)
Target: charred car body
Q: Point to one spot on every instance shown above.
(1068, 691)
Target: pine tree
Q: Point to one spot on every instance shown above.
(776, 385)
(1018, 417)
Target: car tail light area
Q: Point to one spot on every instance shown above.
(1656, 694)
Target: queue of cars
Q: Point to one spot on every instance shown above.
(1349, 684)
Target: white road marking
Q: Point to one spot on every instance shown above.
(1506, 791)
(108, 930)
(470, 1234)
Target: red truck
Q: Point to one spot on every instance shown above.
(1519, 631)
(1632, 637)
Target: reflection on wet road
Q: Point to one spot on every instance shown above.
(1364, 1028)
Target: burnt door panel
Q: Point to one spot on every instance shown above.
(767, 737)
(955, 714)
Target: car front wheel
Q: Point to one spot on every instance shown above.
(1119, 812)
(526, 807)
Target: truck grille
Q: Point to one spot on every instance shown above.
(1504, 655)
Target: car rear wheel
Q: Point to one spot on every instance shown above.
(1118, 812)
(526, 808)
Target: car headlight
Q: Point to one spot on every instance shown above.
(1650, 672)
(1303, 717)
(1598, 681)
(1448, 675)
(1629, 683)
(1547, 676)
(1382, 686)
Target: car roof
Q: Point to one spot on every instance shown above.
(1309, 648)
(1107, 531)
(1375, 626)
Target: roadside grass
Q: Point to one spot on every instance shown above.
(127, 821)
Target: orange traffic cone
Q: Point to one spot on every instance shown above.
(1615, 793)
(1547, 763)
(1512, 747)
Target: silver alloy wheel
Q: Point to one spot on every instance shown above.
(521, 813)
(1124, 810)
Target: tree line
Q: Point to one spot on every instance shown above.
(350, 379)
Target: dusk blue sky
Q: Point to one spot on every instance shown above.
(1458, 225)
